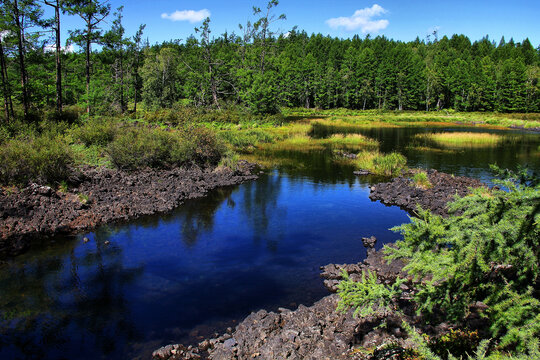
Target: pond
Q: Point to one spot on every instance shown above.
(182, 276)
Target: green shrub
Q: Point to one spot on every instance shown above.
(45, 160)
(489, 254)
(96, 131)
(208, 148)
(366, 296)
(159, 148)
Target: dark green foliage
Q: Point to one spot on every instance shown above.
(456, 342)
(260, 70)
(44, 159)
(487, 252)
(366, 296)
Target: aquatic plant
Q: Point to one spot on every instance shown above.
(461, 139)
(377, 163)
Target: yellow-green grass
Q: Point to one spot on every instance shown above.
(421, 180)
(393, 164)
(351, 142)
(422, 118)
(461, 139)
(432, 149)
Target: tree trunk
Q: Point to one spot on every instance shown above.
(8, 105)
(26, 104)
(87, 50)
(59, 102)
(122, 98)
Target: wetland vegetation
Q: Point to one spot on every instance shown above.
(132, 129)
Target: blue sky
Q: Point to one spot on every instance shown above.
(397, 19)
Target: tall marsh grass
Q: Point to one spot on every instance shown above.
(393, 164)
(352, 142)
(461, 139)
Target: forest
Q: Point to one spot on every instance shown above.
(257, 67)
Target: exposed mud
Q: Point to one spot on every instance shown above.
(403, 192)
(102, 196)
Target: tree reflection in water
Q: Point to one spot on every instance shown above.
(45, 298)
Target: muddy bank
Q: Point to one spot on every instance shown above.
(402, 191)
(102, 196)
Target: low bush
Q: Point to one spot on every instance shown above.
(96, 131)
(159, 148)
(244, 139)
(45, 160)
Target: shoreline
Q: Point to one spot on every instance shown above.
(319, 331)
(104, 196)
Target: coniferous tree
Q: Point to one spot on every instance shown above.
(92, 12)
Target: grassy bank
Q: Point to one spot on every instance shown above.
(420, 118)
(49, 151)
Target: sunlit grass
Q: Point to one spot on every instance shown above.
(461, 139)
(421, 180)
(432, 149)
(393, 164)
(351, 142)
(422, 118)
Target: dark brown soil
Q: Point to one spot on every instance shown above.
(102, 196)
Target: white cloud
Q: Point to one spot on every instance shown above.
(52, 48)
(362, 19)
(187, 15)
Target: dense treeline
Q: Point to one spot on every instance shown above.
(258, 69)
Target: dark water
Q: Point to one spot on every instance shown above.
(175, 278)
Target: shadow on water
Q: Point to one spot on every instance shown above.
(181, 276)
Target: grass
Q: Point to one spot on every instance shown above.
(393, 164)
(421, 180)
(461, 139)
(352, 142)
(422, 118)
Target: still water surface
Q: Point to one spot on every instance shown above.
(177, 277)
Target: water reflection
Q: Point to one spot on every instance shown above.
(44, 297)
(177, 277)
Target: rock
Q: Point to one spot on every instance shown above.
(361, 172)
(37, 211)
(369, 243)
(402, 192)
(164, 352)
(85, 239)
